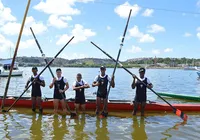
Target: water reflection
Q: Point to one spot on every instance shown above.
(101, 129)
(139, 132)
(36, 127)
(79, 128)
(6, 128)
(59, 127)
(175, 127)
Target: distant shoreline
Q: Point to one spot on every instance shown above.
(109, 67)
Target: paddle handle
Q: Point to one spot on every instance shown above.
(41, 51)
(121, 45)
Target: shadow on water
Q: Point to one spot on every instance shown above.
(139, 132)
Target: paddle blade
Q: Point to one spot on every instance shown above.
(4, 111)
(181, 114)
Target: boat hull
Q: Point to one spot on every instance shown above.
(113, 105)
(14, 73)
(184, 97)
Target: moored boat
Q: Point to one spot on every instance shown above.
(5, 69)
(113, 105)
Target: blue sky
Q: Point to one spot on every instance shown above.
(153, 31)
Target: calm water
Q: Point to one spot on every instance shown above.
(26, 125)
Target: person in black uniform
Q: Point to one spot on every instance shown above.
(60, 86)
(141, 91)
(102, 81)
(36, 90)
(79, 86)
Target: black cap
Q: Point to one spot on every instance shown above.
(34, 68)
(102, 67)
(142, 70)
(58, 69)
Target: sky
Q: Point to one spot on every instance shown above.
(167, 28)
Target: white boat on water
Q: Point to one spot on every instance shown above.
(5, 69)
(190, 68)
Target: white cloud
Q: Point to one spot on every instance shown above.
(80, 34)
(73, 56)
(156, 52)
(198, 35)
(84, 1)
(27, 44)
(67, 18)
(198, 3)
(168, 50)
(13, 28)
(134, 32)
(198, 29)
(155, 28)
(135, 49)
(147, 39)
(148, 13)
(143, 38)
(187, 34)
(108, 28)
(58, 21)
(59, 7)
(5, 43)
(5, 14)
(124, 9)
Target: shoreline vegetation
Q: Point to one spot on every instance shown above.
(149, 63)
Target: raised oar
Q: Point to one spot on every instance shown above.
(38, 75)
(43, 55)
(15, 54)
(175, 110)
(119, 52)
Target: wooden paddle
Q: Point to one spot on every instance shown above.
(38, 75)
(175, 110)
(43, 55)
(119, 52)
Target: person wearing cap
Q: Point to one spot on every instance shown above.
(79, 86)
(102, 81)
(141, 90)
(36, 93)
(60, 85)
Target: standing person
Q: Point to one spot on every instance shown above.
(79, 86)
(60, 85)
(36, 90)
(141, 91)
(102, 81)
